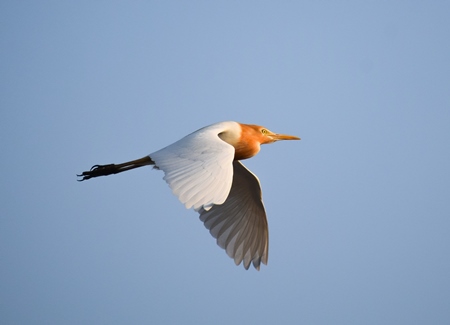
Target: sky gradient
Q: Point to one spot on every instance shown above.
(358, 210)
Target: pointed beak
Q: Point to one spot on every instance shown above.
(278, 137)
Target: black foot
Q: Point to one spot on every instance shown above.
(98, 170)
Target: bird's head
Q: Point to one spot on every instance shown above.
(251, 136)
(247, 138)
(263, 135)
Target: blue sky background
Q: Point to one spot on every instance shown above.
(358, 210)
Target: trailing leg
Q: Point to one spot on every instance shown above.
(105, 170)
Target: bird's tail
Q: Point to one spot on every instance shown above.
(105, 170)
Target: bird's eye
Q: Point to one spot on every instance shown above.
(264, 131)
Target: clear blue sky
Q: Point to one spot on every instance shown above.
(359, 210)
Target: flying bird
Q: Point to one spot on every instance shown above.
(205, 172)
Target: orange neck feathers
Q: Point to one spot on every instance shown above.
(248, 145)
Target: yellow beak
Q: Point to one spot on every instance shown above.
(277, 137)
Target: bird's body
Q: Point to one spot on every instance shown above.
(204, 171)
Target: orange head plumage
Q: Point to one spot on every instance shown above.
(251, 136)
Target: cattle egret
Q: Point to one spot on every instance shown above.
(204, 171)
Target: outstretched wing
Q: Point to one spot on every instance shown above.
(240, 224)
(198, 167)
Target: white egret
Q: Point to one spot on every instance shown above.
(204, 171)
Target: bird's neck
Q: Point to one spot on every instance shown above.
(245, 150)
(244, 141)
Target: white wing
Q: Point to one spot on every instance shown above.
(240, 224)
(198, 167)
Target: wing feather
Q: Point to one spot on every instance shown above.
(197, 163)
(240, 224)
(202, 196)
